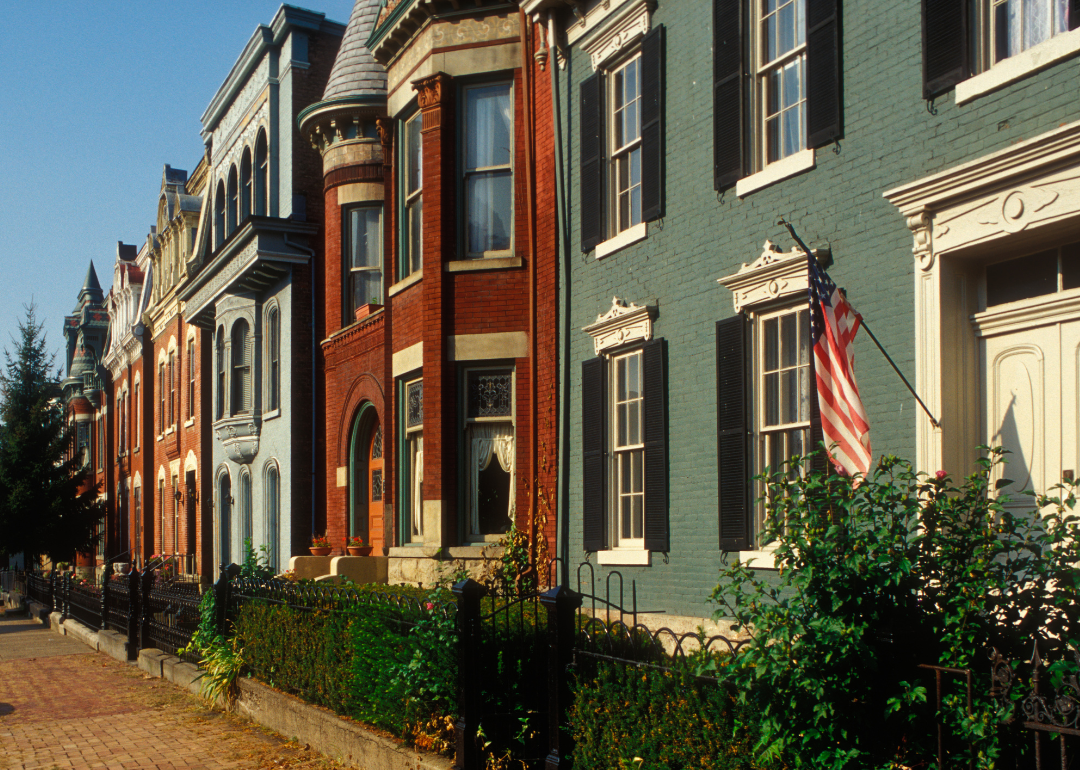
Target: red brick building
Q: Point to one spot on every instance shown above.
(457, 368)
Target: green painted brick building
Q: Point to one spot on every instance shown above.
(946, 193)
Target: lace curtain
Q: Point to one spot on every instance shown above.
(416, 496)
(493, 441)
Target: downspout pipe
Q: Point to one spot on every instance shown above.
(562, 519)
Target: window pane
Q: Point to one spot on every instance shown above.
(789, 386)
(804, 337)
(772, 399)
(638, 463)
(638, 514)
(788, 341)
(633, 376)
(768, 35)
(488, 121)
(787, 27)
(804, 393)
(1070, 266)
(1017, 279)
(367, 287)
(633, 430)
(622, 428)
(772, 354)
(490, 207)
(620, 377)
(626, 514)
(364, 237)
(1037, 20)
(412, 141)
(415, 236)
(625, 472)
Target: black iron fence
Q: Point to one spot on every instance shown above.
(82, 601)
(170, 616)
(13, 581)
(39, 588)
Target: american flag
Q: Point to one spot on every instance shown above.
(833, 324)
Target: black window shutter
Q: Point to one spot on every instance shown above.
(592, 162)
(654, 387)
(727, 93)
(593, 444)
(822, 72)
(731, 434)
(652, 136)
(1074, 14)
(945, 45)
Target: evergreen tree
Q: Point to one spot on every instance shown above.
(42, 512)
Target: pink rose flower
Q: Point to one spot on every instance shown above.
(940, 475)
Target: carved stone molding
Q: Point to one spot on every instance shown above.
(385, 127)
(619, 31)
(773, 275)
(432, 93)
(919, 224)
(624, 322)
(239, 436)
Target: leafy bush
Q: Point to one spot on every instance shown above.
(875, 579)
(667, 719)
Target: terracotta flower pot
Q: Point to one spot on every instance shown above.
(359, 550)
(320, 551)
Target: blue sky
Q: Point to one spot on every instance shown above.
(95, 98)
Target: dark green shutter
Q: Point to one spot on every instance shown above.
(945, 45)
(727, 93)
(594, 458)
(819, 461)
(732, 436)
(652, 136)
(592, 162)
(654, 388)
(822, 72)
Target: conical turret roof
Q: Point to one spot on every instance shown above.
(91, 286)
(355, 72)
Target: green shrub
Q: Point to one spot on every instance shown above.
(875, 579)
(625, 717)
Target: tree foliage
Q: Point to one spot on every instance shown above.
(878, 578)
(42, 512)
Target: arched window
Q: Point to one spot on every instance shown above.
(224, 518)
(233, 199)
(245, 509)
(272, 513)
(262, 176)
(273, 356)
(241, 366)
(365, 473)
(245, 186)
(219, 411)
(219, 215)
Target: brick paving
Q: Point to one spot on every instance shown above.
(63, 706)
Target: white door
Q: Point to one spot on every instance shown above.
(1030, 405)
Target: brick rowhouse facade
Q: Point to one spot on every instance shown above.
(175, 491)
(254, 289)
(471, 324)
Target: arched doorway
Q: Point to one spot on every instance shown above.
(224, 518)
(366, 475)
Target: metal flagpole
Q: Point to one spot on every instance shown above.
(862, 323)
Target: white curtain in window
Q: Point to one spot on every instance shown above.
(489, 122)
(488, 441)
(416, 496)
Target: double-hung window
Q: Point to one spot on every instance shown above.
(412, 215)
(962, 39)
(622, 145)
(766, 399)
(363, 259)
(191, 378)
(624, 439)
(413, 465)
(488, 169)
(787, 53)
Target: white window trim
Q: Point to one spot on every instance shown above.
(793, 164)
(628, 236)
(625, 323)
(602, 32)
(1021, 65)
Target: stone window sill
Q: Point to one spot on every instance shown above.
(760, 559)
(623, 557)
(776, 172)
(405, 283)
(483, 263)
(622, 240)
(1020, 66)
(271, 414)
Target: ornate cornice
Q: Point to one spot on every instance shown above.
(773, 275)
(355, 339)
(239, 436)
(623, 323)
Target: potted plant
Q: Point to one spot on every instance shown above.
(366, 310)
(320, 545)
(357, 547)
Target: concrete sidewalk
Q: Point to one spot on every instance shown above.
(62, 706)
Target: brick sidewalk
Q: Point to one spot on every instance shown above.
(79, 709)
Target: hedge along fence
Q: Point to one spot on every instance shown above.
(384, 657)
